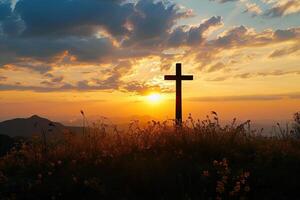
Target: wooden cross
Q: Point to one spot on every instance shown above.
(178, 77)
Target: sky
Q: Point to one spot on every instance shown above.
(58, 57)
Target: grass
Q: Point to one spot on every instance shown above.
(200, 160)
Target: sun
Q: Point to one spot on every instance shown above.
(154, 98)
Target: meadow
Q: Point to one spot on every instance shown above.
(200, 160)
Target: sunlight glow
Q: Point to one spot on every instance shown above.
(154, 98)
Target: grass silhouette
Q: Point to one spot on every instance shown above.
(200, 160)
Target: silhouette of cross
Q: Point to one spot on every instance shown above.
(178, 77)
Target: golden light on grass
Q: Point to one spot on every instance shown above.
(154, 98)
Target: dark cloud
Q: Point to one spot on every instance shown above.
(84, 49)
(40, 68)
(38, 34)
(76, 17)
(283, 7)
(57, 79)
(238, 36)
(152, 22)
(49, 28)
(287, 34)
(10, 24)
(192, 36)
(5, 10)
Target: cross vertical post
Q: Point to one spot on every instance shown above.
(178, 78)
(178, 94)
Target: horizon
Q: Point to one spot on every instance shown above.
(265, 127)
(59, 57)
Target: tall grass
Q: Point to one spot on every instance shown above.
(200, 160)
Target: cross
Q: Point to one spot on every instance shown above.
(178, 77)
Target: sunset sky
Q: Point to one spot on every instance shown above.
(106, 57)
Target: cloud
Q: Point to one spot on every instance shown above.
(283, 8)
(253, 9)
(73, 18)
(44, 36)
(5, 10)
(238, 38)
(225, 1)
(86, 30)
(53, 81)
(143, 88)
(110, 84)
(285, 51)
(216, 67)
(20, 87)
(37, 67)
(3, 78)
(152, 22)
(287, 34)
(247, 97)
(244, 37)
(248, 75)
(83, 49)
(193, 36)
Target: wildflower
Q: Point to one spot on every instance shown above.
(205, 173)
(237, 188)
(225, 163)
(220, 187)
(214, 113)
(74, 179)
(40, 176)
(59, 162)
(49, 173)
(224, 179)
(82, 113)
(247, 189)
(246, 174)
(52, 164)
(218, 198)
(3, 178)
(243, 181)
(215, 162)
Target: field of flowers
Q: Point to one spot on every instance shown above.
(200, 160)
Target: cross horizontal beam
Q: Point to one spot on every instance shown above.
(183, 77)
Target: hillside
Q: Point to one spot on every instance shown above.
(200, 160)
(25, 127)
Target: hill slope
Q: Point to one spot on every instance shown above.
(25, 127)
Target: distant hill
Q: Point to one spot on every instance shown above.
(25, 127)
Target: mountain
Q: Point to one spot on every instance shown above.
(25, 127)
